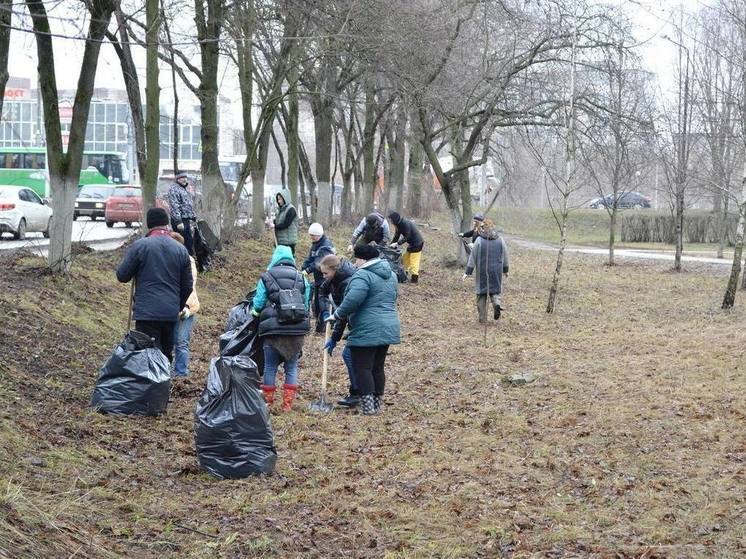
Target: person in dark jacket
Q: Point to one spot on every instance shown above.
(373, 228)
(337, 273)
(473, 232)
(406, 232)
(286, 221)
(489, 256)
(181, 206)
(369, 306)
(321, 246)
(162, 272)
(283, 342)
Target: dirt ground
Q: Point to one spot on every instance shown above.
(630, 443)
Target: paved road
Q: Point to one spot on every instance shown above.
(93, 233)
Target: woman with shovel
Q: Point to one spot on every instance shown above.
(369, 307)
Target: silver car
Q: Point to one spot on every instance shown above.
(22, 211)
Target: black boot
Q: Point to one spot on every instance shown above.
(414, 278)
(378, 403)
(368, 404)
(497, 311)
(350, 401)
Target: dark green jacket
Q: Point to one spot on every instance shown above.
(286, 222)
(369, 306)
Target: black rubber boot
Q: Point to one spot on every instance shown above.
(368, 404)
(414, 278)
(378, 403)
(497, 311)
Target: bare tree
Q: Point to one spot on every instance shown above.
(64, 167)
(6, 18)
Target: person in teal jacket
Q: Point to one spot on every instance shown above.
(369, 306)
(283, 341)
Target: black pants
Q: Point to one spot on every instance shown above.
(320, 306)
(187, 233)
(162, 331)
(368, 364)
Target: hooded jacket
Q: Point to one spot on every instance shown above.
(180, 203)
(286, 222)
(319, 249)
(282, 270)
(489, 256)
(379, 232)
(406, 232)
(369, 306)
(336, 287)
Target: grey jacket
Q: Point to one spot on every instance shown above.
(180, 203)
(489, 256)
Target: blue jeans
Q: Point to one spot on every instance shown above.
(182, 336)
(272, 360)
(347, 358)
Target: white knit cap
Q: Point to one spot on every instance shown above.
(316, 229)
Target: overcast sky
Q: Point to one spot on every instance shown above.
(652, 19)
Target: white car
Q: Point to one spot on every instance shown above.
(22, 211)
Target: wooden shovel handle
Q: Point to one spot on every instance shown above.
(132, 298)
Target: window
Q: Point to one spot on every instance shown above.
(23, 194)
(16, 160)
(185, 134)
(111, 132)
(41, 160)
(111, 112)
(121, 113)
(99, 112)
(28, 161)
(32, 197)
(26, 112)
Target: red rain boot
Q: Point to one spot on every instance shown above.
(269, 394)
(288, 395)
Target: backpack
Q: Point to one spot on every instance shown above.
(291, 305)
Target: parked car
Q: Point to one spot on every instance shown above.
(625, 201)
(22, 211)
(125, 205)
(91, 200)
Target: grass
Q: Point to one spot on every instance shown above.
(585, 227)
(630, 443)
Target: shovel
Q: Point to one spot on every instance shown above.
(322, 405)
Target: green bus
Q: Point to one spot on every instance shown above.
(28, 167)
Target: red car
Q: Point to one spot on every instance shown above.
(125, 205)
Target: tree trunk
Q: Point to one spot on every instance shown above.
(554, 289)
(175, 123)
(679, 228)
(722, 226)
(612, 233)
(122, 46)
(6, 16)
(309, 182)
(730, 291)
(346, 202)
(152, 114)
(64, 168)
(322, 119)
(369, 153)
(414, 177)
(292, 137)
(398, 163)
(213, 188)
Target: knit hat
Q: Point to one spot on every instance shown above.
(181, 175)
(156, 217)
(366, 252)
(395, 218)
(316, 229)
(478, 217)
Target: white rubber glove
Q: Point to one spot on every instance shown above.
(350, 248)
(463, 278)
(180, 227)
(186, 313)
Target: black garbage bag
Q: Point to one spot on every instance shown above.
(211, 239)
(232, 430)
(240, 314)
(135, 380)
(393, 257)
(243, 340)
(202, 252)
